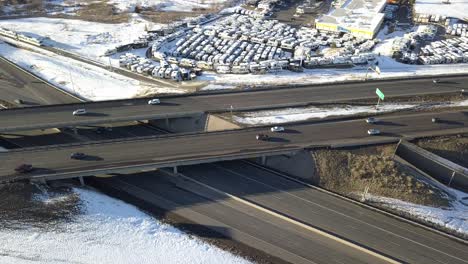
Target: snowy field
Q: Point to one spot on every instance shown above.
(89, 39)
(90, 82)
(302, 114)
(108, 231)
(454, 218)
(456, 8)
(166, 5)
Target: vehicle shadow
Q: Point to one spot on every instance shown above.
(168, 104)
(389, 123)
(92, 158)
(96, 114)
(449, 122)
(388, 134)
(291, 131)
(278, 139)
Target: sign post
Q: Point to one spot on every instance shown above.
(381, 96)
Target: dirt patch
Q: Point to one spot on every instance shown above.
(454, 148)
(351, 171)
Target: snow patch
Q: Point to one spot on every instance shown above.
(454, 218)
(78, 78)
(109, 231)
(456, 8)
(301, 114)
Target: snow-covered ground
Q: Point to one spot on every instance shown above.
(301, 114)
(453, 218)
(89, 39)
(389, 68)
(108, 231)
(166, 5)
(456, 8)
(79, 78)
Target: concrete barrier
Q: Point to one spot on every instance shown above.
(443, 170)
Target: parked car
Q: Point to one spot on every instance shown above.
(79, 112)
(154, 101)
(262, 137)
(77, 155)
(372, 120)
(24, 168)
(373, 131)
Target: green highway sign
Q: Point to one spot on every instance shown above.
(380, 94)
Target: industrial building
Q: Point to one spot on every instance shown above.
(361, 18)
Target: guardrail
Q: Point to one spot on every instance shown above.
(443, 170)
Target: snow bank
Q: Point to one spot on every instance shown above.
(456, 8)
(79, 78)
(109, 231)
(300, 114)
(454, 218)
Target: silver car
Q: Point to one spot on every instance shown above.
(373, 131)
(79, 112)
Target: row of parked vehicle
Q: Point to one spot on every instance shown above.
(162, 71)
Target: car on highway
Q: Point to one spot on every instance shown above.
(435, 120)
(77, 155)
(19, 101)
(24, 168)
(373, 131)
(154, 101)
(277, 129)
(372, 120)
(262, 137)
(79, 112)
(436, 80)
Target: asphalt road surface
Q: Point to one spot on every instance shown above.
(138, 109)
(205, 147)
(272, 235)
(16, 84)
(405, 242)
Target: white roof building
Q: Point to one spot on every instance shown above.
(361, 18)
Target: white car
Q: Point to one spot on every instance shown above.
(277, 129)
(372, 120)
(373, 131)
(154, 102)
(79, 112)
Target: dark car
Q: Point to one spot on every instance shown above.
(77, 155)
(262, 137)
(24, 168)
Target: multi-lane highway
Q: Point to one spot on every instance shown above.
(200, 207)
(17, 84)
(163, 151)
(138, 109)
(403, 241)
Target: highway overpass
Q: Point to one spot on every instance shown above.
(53, 162)
(58, 116)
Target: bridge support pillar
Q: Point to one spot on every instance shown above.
(174, 170)
(264, 159)
(167, 123)
(81, 181)
(75, 130)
